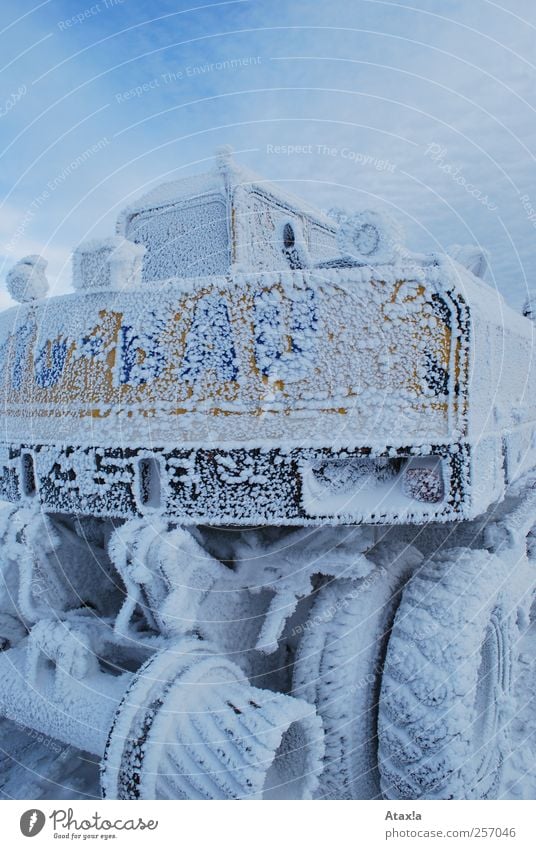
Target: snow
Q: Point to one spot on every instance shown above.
(275, 567)
(273, 362)
(173, 572)
(257, 365)
(34, 766)
(529, 305)
(475, 259)
(174, 191)
(111, 264)
(424, 484)
(218, 364)
(27, 281)
(187, 240)
(291, 577)
(204, 733)
(70, 713)
(367, 236)
(520, 773)
(226, 219)
(189, 331)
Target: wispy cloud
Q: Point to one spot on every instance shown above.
(350, 84)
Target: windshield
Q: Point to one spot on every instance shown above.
(185, 240)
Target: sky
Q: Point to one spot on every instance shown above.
(424, 109)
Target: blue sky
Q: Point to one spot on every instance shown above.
(425, 109)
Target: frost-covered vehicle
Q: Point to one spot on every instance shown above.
(270, 504)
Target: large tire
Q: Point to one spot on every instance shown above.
(446, 690)
(338, 668)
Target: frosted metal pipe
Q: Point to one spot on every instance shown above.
(77, 712)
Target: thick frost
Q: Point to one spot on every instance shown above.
(27, 280)
(111, 264)
(474, 258)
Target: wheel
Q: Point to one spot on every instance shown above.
(338, 668)
(446, 694)
(190, 726)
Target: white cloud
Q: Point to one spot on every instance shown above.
(382, 79)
